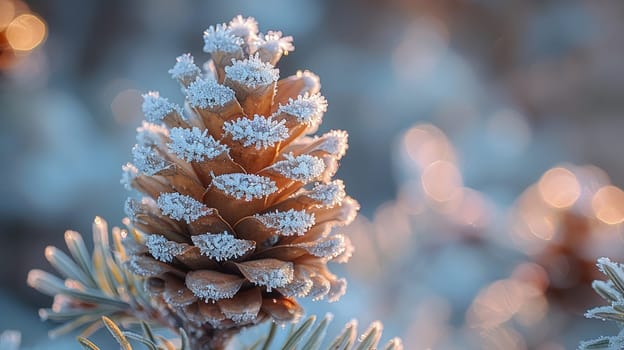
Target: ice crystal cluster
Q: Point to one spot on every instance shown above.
(611, 290)
(238, 205)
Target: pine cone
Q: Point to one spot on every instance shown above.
(239, 203)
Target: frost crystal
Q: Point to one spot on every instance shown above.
(244, 27)
(163, 249)
(208, 94)
(328, 247)
(179, 207)
(239, 185)
(307, 109)
(194, 144)
(147, 160)
(601, 311)
(252, 72)
(184, 68)
(338, 288)
(297, 288)
(288, 223)
(128, 174)
(320, 287)
(241, 317)
(149, 134)
(311, 81)
(270, 277)
(131, 208)
(221, 38)
(213, 285)
(334, 142)
(329, 194)
(222, 246)
(605, 264)
(260, 131)
(156, 108)
(302, 168)
(274, 42)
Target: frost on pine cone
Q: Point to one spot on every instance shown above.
(239, 204)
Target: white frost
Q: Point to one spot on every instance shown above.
(220, 38)
(246, 28)
(182, 207)
(303, 168)
(328, 247)
(330, 194)
(320, 287)
(252, 72)
(338, 289)
(147, 160)
(275, 43)
(194, 144)
(163, 249)
(247, 186)
(149, 134)
(184, 68)
(307, 109)
(155, 108)
(213, 287)
(208, 94)
(222, 246)
(241, 317)
(260, 131)
(297, 288)
(334, 142)
(274, 277)
(131, 208)
(288, 223)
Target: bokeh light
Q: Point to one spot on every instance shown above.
(559, 187)
(441, 180)
(25, 32)
(21, 31)
(608, 205)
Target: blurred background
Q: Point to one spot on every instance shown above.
(485, 149)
